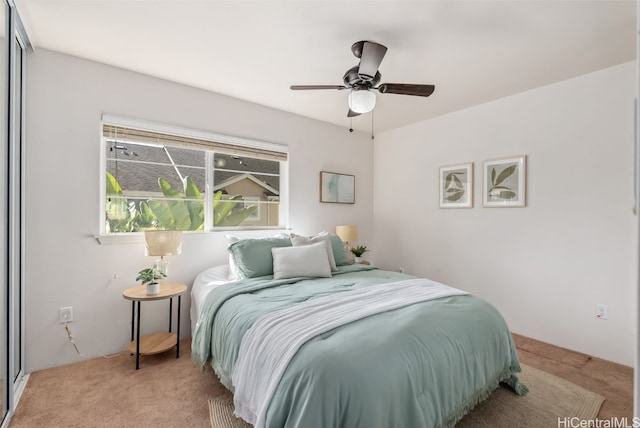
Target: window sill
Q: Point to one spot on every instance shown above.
(125, 238)
(138, 237)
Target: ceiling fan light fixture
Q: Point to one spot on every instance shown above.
(362, 101)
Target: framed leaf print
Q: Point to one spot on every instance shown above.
(456, 186)
(504, 182)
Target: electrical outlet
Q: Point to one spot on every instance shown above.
(65, 314)
(602, 311)
(401, 269)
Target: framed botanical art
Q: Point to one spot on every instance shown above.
(504, 182)
(456, 186)
(337, 188)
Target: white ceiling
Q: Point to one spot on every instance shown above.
(473, 51)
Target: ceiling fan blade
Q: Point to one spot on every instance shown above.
(406, 89)
(308, 87)
(352, 113)
(372, 54)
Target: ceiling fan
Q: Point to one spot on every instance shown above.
(364, 77)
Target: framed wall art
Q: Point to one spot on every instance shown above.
(456, 186)
(337, 188)
(504, 182)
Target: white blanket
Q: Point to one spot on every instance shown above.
(273, 340)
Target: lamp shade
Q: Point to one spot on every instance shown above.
(163, 242)
(362, 101)
(347, 232)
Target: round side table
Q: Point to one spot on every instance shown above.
(156, 342)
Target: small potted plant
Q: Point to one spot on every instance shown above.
(358, 252)
(150, 277)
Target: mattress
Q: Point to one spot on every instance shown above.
(203, 284)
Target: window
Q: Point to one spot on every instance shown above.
(176, 179)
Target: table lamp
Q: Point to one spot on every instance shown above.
(163, 243)
(348, 233)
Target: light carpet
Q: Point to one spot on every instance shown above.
(549, 399)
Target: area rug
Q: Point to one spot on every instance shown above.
(549, 400)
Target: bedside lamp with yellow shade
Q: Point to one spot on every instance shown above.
(348, 233)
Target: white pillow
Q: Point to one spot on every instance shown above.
(307, 261)
(299, 240)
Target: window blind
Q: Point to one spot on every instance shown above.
(192, 139)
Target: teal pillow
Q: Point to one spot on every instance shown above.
(339, 254)
(253, 257)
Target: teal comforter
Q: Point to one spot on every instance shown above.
(424, 365)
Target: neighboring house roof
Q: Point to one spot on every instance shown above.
(138, 167)
(241, 177)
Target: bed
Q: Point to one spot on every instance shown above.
(354, 347)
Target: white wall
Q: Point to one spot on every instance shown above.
(544, 266)
(65, 266)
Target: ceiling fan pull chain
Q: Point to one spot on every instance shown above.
(372, 137)
(351, 124)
